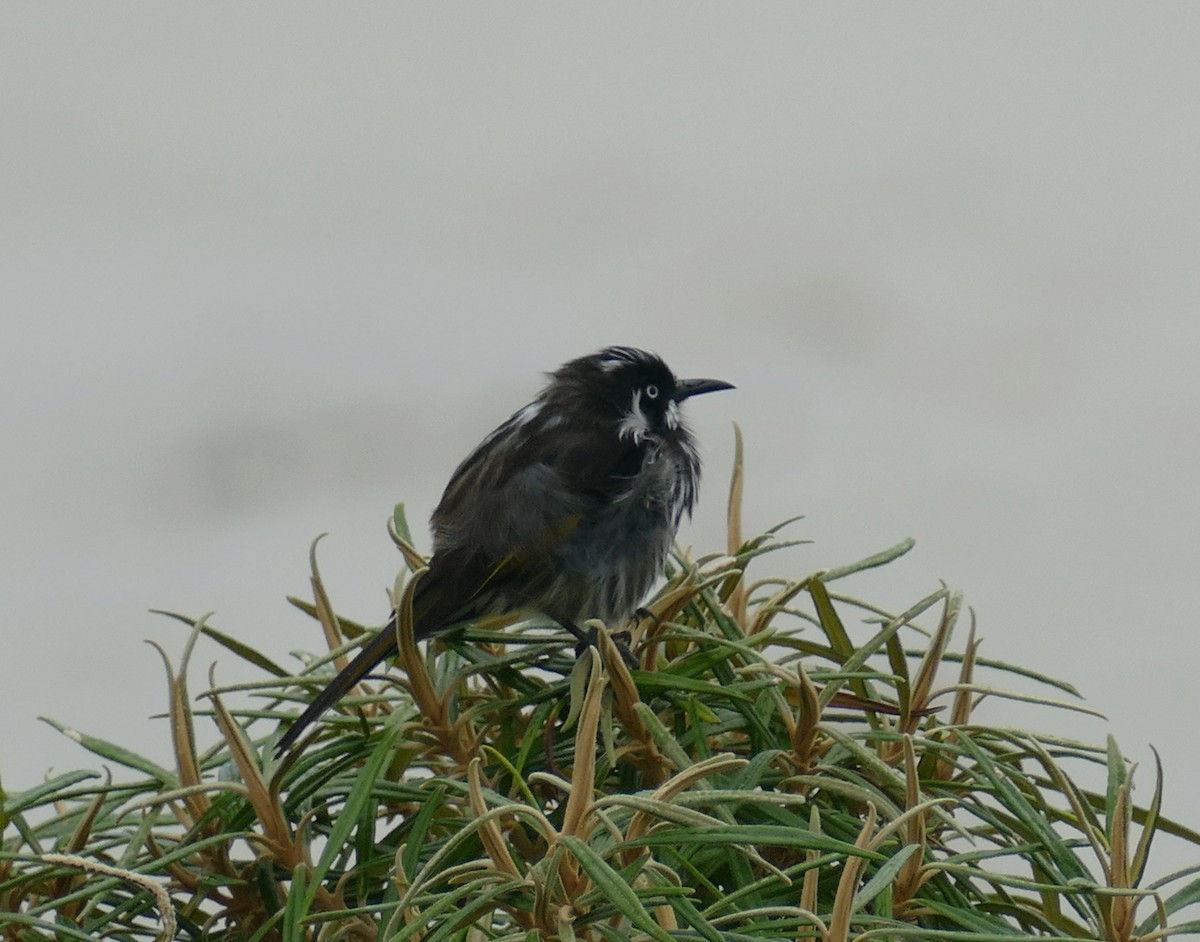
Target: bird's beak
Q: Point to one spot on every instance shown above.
(686, 388)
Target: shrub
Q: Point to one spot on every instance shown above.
(759, 777)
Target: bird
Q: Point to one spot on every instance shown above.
(568, 509)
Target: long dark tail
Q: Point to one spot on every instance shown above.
(382, 646)
(443, 597)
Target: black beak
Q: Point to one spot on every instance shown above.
(686, 388)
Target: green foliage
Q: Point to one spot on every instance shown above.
(759, 776)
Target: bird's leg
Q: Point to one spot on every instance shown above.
(587, 639)
(583, 637)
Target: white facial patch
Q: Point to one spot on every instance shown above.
(674, 416)
(634, 423)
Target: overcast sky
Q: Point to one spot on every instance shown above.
(266, 271)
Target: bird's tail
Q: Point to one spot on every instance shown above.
(440, 599)
(382, 646)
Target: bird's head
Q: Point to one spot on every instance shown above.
(632, 386)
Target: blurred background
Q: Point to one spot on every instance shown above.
(266, 271)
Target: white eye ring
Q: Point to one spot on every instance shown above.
(651, 391)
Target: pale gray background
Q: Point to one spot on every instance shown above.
(265, 271)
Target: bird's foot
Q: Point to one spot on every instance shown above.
(590, 639)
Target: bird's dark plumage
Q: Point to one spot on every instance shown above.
(569, 508)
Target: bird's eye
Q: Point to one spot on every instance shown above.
(651, 391)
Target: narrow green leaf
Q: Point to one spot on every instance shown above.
(614, 888)
(240, 648)
(114, 753)
(348, 817)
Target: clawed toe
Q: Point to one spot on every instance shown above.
(622, 640)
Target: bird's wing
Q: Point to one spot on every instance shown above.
(526, 488)
(520, 490)
(509, 508)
